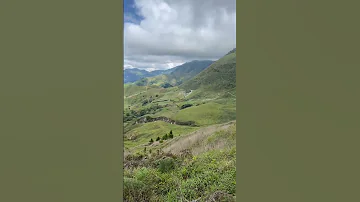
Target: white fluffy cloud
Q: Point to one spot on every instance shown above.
(173, 32)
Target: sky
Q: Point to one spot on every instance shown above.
(161, 34)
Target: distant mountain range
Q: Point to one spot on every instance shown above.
(204, 74)
(173, 76)
(132, 75)
(176, 75)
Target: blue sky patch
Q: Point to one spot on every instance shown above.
(131, 12)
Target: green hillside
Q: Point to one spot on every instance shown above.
(218, 76)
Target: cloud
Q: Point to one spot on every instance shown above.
(173, 32)
(130, 18)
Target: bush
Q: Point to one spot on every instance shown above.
(171, 134)
(185, 106)
(135, 190)
(166, 165)
(158, 138)
(165, 137)
(166, 85)
(145, 102)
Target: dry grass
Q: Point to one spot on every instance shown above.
(195, 141)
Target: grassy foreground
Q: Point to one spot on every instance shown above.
(207, 175)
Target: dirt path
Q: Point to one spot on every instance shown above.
(189, 93)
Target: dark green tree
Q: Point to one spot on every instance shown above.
(158, 139)
(151, 141)
(165, 137)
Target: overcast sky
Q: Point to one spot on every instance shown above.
(160, 34)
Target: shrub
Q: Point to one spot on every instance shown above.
(158, 138)
(151, 141)
(135, 190)
(185, 106)
(166, 165)
(165, 137)
(166, 85)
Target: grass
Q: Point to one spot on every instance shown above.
(217, 137)
(198, 177)
(206, 114)
(218, 76)
(144, 132)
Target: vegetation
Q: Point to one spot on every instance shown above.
(190, 113)
(185, 106)
(218, 76)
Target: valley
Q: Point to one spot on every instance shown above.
(180, 133)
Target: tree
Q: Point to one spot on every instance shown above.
(144, 149)
(170, 132)
(158, 138)
(151, 141)
(165, 137)
(171, 136)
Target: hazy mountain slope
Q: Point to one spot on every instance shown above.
(133, 75)
(178, 74)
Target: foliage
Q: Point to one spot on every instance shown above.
(166, 85)
(208, 175)
(185, 106)
(165, 137)
(135, 190)
(166, 165)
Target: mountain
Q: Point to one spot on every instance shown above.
(232, 51)
(178, 74)
(220, 75)
(133, 75)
